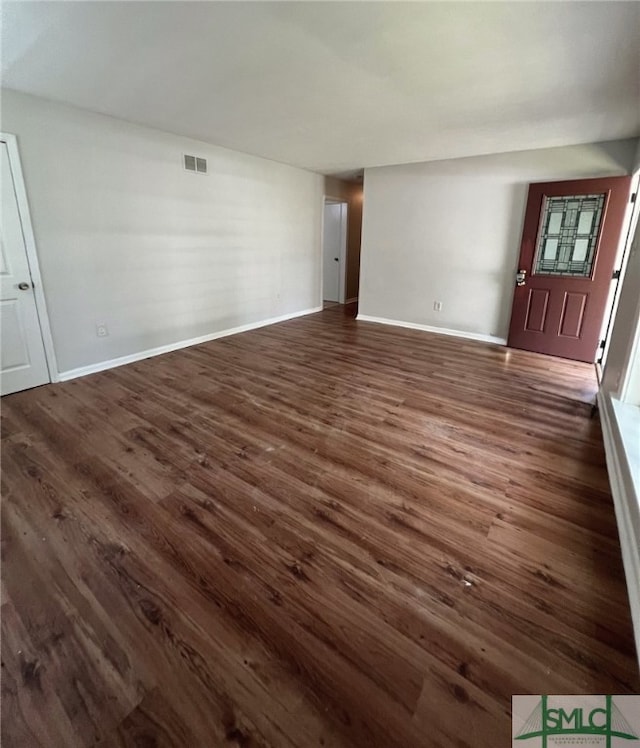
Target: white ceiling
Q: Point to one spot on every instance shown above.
(333, 86)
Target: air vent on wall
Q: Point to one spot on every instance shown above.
(195, 163)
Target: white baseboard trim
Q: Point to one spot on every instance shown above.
(429, 328)
(82, 371)
(625, 502)
(351, 300)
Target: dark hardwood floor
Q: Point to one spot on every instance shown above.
(320, 533)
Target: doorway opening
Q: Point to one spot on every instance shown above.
(334, 251)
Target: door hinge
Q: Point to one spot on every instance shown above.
(602, 344)
(633, 197)
(616, 275)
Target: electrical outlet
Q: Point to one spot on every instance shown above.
(437, 306)
(102, 331)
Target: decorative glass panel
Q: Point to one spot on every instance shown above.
(580, 250)
(568, 235)
(555, 223)
(550, 249)
(585, 222)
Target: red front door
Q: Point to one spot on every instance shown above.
(569, 244)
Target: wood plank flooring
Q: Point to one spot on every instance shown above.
(320, 533)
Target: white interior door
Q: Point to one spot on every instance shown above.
(334, 245)
(23, 361)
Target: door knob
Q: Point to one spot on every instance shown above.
(521, 276)
(24, 286)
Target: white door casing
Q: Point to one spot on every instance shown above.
(23, 357)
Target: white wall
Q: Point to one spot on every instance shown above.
(636, 160)
(128, 238)
(450, 231)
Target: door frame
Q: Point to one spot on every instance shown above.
(17, 176)
(606, 255)
(344, 247)
(622, 259)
